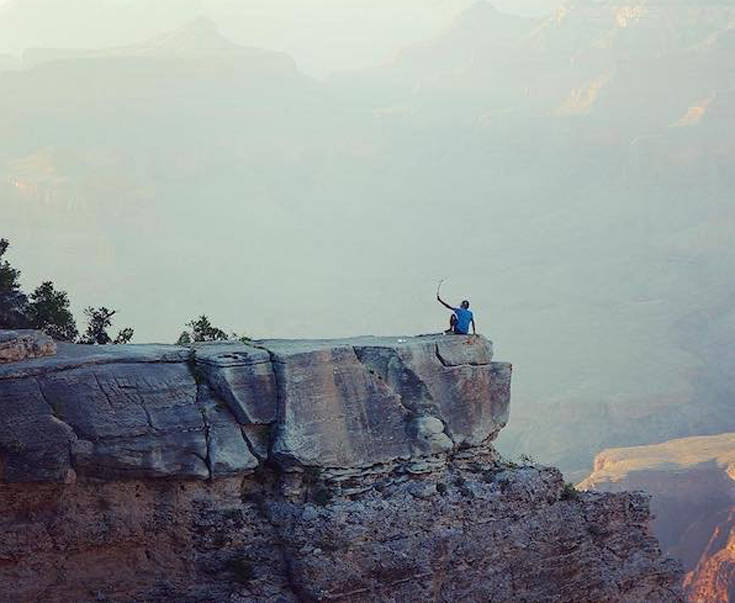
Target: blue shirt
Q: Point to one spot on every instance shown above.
(464, 318)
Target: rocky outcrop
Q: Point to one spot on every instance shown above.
(357, 469)
(692, 484)
(20, 345)
(144, 411)
(469, 530)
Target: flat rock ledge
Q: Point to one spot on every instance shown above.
(226, 408)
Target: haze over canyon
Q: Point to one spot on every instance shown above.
(567, 168)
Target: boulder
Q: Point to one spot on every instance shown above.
(332, 411)
(449, 377)
(22, 345)
(242, 375)
(356, 402)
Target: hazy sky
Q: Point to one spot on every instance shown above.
(576, 189)
(322, 35)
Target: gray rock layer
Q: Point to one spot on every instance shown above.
(116, 412)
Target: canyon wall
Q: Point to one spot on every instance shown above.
(357, 469)
(692, 483)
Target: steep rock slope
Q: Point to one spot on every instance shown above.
(692, 484)
(713, 579)
(353, 470)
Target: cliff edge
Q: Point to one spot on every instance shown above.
(358, 469)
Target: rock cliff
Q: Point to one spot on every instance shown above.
(692, 483)
(357, 469)
(713, 578)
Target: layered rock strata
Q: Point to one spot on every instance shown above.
(355, 470)
(692, 483)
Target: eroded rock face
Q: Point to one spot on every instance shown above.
(242, 376)
(713, 578)
(372, 400)
(390, 396)
(472, 529)
(114, 412)
(347, 470)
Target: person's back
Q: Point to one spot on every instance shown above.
(462, 318)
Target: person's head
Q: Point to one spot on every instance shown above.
(465, 304)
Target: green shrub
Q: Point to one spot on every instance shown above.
(569, 492)
(526, 459)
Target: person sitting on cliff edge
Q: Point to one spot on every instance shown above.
(461, 319)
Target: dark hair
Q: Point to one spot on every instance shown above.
(465, 304)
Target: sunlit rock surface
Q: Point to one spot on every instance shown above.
(358, 469)
(713, 578)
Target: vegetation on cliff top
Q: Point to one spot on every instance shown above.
(201, 329)
(48, 309)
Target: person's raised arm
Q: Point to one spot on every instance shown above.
(443, 303)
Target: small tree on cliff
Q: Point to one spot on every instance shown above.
(201, 329)
(13, 302)
(49, 311)
(98, 321)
